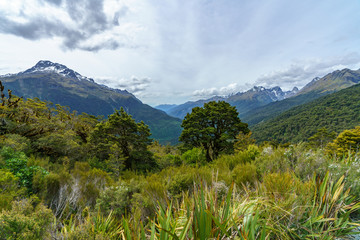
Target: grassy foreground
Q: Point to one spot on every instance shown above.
(265, 213)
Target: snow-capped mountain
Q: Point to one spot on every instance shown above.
(50, 67)
(275, 93)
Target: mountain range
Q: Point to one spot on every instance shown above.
(59, 84)
(318, 87)
(244, 101)
(260, 104)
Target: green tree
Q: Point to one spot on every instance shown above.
(9, 189)
(213, 127)
(348, 142)
(321, 138)
(243, 141)
(131, 139)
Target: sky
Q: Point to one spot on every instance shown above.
(173, 51)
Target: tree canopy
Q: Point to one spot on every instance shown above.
(213, 127)
(123, 142)
(347, 143)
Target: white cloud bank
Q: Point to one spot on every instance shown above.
(134, 85)
(301, 72)
(222, 91)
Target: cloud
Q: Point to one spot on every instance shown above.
(89, 25)
(297, 74)
(222, 91)
(301, 72)
(56, 2)
(134, 85)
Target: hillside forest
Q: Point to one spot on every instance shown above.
(65, 175)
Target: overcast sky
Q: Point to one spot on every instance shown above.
(172, 51)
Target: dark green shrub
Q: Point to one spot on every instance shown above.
(195, 156)
(115, 199)
(180, 183)
(24, 221)
(17, 163)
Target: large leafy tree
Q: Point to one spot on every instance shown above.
(123, 142)
(347, 143)
(213, 127)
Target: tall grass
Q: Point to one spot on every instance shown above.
(241, 214)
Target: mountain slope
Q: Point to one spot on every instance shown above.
(258, 97)
(318, 87)
(332, 82)
(181, 110)
(273, 109)
(165, 107)
(58, 84)
(336, 112)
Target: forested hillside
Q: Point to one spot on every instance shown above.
(336, 112)
(318, 87)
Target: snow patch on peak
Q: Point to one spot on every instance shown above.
(50, 67)
(258, 89)
(275, 93)
(7, 75)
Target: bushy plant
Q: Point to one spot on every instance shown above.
(242, 141)
(180, 183)
(115, 199)
(244, 174)
(70, 193)
(279, 186)
(168, 160)
(310, 162)
(272, 160)
(229, 162)
(24, 221)
(195, 156)
(16, 142)
(94, 226)
(346, 144)
(165, 156)
(9, 189)
(328, 216)
(17, 163)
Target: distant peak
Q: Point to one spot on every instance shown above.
(258, 89)
(47, 63)
(277, 88)
(51, 67)
(275, 93)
